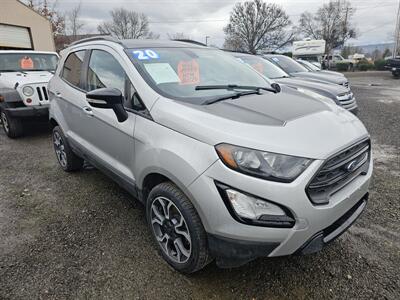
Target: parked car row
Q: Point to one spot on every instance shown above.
(231, 163)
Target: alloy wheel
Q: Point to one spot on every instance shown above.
(171, 230)
(59, 148)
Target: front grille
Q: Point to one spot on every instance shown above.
(347, 100)
(42, 93)
(346, 84)
(338, 171)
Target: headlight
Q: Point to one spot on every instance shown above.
(316, 96)
(28, 91)
(267, 165)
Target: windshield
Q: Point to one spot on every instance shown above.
(287, 64)
(309, 65)
(175, 72)
(265, 67)
(17, 62)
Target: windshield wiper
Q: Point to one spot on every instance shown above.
(231, 87)
(233, 96)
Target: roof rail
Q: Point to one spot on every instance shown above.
(190, 42)
(97, 38)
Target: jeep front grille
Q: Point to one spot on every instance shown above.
(42, 93)
(338, 171)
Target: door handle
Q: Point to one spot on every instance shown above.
(88, 110)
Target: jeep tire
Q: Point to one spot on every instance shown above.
(13, 127)
(67, 159)
(177, 228)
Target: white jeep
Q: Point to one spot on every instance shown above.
(23, 88)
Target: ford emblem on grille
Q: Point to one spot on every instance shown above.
(351, 166)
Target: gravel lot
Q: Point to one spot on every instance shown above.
(78, 235)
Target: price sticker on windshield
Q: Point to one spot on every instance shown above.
(145, 54)
(189, 72)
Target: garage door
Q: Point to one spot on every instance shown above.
(15, 37)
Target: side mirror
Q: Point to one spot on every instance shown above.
(276, 87)
(108, 98)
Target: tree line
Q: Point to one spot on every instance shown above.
(253, 26)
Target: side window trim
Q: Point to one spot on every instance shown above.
(79, 86)
(128, 83)
(84, 71)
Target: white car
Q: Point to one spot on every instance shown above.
(23, 88)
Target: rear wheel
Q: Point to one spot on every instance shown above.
(13, 127)
(177, 228)
(67, 159)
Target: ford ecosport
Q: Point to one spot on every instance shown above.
(229, 167)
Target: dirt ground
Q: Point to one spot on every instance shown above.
(78, 235)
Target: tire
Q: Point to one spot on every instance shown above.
(13, 127)
(188, 235)
(67, 159)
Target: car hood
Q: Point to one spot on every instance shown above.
(323, 88)
(288, 123)
(332, 73)
(320, 77)
(9, 79)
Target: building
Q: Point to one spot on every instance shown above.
(23, 28)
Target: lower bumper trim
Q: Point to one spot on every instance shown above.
(25, 112)
(231, 253)
(324, 237)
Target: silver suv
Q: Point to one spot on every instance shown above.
(228, 167)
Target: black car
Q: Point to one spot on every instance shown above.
(393, 64)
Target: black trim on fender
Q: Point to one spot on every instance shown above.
(287, 221)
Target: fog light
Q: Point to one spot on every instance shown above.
(252, 208)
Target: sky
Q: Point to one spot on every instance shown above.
(375, 20)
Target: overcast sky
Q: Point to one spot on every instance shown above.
(375, 20)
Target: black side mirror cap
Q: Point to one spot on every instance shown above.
(108, 98)
(276, 87)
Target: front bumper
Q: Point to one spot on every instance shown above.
(28, 111)
(233, 243)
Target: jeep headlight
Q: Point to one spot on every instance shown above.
(316, 96)
(267, 165)
(28, 91)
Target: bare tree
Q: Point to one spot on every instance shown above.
(256, 25)
(127, 24)
(74, 24)
(332, 23)
(48, 9)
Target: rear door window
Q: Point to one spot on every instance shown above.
(72, 68)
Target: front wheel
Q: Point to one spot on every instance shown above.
(13, 127)
(177, 228)
(67, 159)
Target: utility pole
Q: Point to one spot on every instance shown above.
(207, 37)
(396, 49)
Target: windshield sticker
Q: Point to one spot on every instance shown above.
(258, 67)
(26, 63)
(145, 54)
(275, 59)
(162, 73)
(189, 72)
